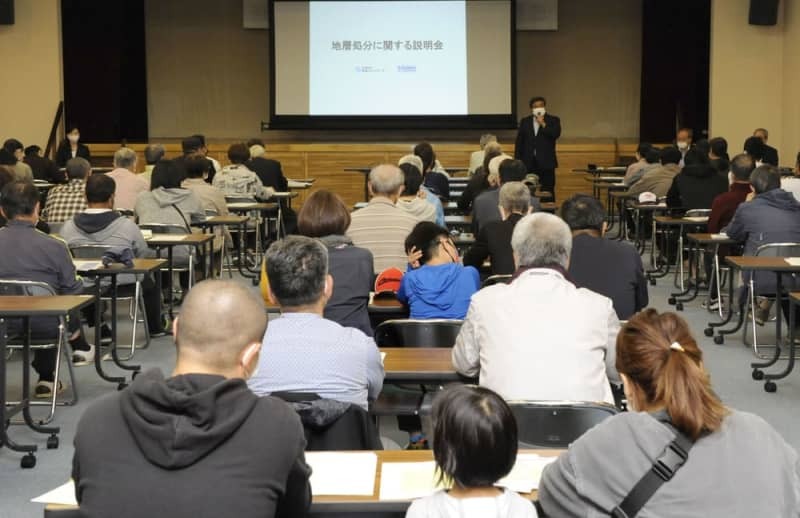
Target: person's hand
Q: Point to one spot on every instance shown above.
(540, 120)
(414, 255)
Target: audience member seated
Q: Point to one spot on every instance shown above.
(670, 398)
(474, 445)
(71, 147)
(189, 146)
(718, 155)
(540, 337)
(39, 257)
(381, 227)
(129, 184)
(437, 182)
(22, 171)
(770, 153)
(152, 154)
(635, 170)
(269, 171)
(792, 183)
(170, 204)
(683, 141)
(651, 161)
(325, 216)
(64, 201)
(436, 285)
(494, 240)
(476, 159)
(698, 183)
(754, 146)
(479, 181)
(100, 225)
(171, 441)
(305, 352)
(410, 199)
(605, 266)
(771, 216)
(237, 181)
(659, 179)
(426, 194)
(487, 205)
(42, 167)
(202, 148)
(198, 168)
(7, 177)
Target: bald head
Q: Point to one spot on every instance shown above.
(386, 180)
(239, 320)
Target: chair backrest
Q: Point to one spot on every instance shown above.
(697, 213)
(89, 251)
(239, 199)
(779, 250)
(496, 279)
(164, 228)
(211, 213)
(55, 228)
(128, 213)
(556, 424)
(9, 287)
(417, 333)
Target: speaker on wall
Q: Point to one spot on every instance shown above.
(6, 12)
(763, 12)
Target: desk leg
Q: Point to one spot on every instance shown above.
(709, 331)
(769, 386)
(98, 357)
(170, 283)
(26, 385)
(6, 414)
(114, 353)
(757, 374)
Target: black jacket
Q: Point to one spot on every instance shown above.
(269, 172)
(770, 155)
(610, 268)
(478, 183)
(352, 270)
(45, 169)
(695, 187)
(494, 240)
(438, 184)
(538, 151)
(191, 446)
(64, 153)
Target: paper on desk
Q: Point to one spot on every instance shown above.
(527, 472)
(721, 235)
(336, 473)
(793, 261)
(407, 480)
(62, 495)
(698, 219)
(86, 266)
(165, 237)
(239, 205)
(294, 184)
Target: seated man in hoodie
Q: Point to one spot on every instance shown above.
(410, 200)
(171, 443)
(305, 352)
(437, 286)
(99, 224)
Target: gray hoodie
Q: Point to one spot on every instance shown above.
(174, 206)
(419, 208)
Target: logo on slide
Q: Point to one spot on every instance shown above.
(406, 68)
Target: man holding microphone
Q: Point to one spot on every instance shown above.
(536, 143)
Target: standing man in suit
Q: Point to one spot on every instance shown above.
(770, 153)
(536, 143)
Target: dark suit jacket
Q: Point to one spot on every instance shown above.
(494, 241)
(485, 209)
(270, 173)
(538, 151)
(770, 155)
(610, 268)
(695, 187)
(45, 169)
(63, 154)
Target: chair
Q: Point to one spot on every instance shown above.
(768, 250)
(17, 341)
(556, 424)
(225, 253)
(172, 228)
(128, 213)
(496, 279)
(55, 228)
(135, 302)
(417, 333)
(679, 273)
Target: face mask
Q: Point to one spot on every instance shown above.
(73, 138)
(682, 145)
(538, 112)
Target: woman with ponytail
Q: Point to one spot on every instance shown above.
(737, 464)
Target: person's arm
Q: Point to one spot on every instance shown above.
(401, 294)
(479, 250)
(611, 346)
(88, 153)
(69, 282)
(140, 248)
(296, 500)
(466, 352)
(375, 373)
(715, 216)
(642, 295)
(558, 489)
(552, 128)
(674, 194)
(736, 229)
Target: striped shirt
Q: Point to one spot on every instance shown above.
(381, 227)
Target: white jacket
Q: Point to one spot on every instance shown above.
(507, 504)
(540, 338)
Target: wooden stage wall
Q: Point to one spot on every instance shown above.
(326, 161)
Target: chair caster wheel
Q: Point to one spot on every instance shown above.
(758, 374)
(679, 306)
(770, 386)
(255, 281)
(708, 331)
(122, 386)
(652, 281)
(671, 301)
(28, 461)
(52, 442)
(719, 339)
(135, 373)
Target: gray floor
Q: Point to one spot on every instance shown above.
(728, 364)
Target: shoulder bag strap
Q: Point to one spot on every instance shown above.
(188, 227)
(663, 469)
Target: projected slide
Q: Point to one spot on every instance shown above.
(387, 58)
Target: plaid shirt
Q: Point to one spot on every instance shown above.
(64, 201)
